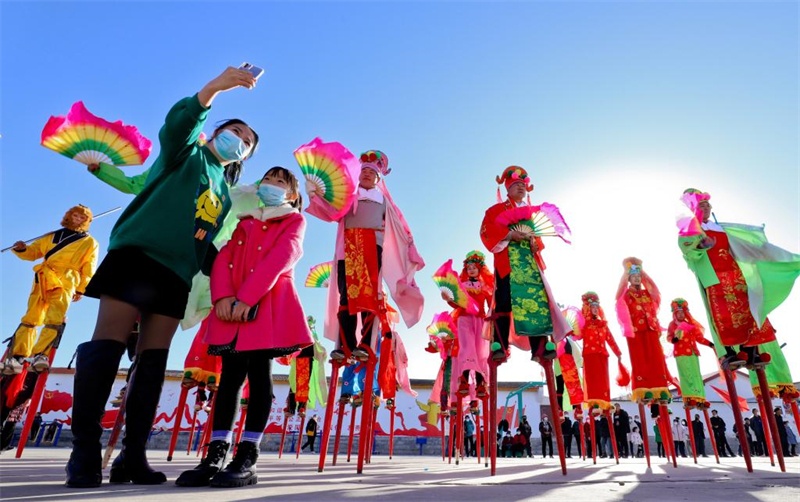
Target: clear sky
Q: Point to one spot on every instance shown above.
(614, 109)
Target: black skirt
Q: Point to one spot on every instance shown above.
(131, 276)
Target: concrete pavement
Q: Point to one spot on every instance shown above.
(39, 476)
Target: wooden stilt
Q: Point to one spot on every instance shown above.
(352, 435)
(645, 435)
(691, 434)
(773, 424)
(176, 429)
(711, 434)
(737, 417)
(391, 433)
(339, 422)
(300, 435)
(326, 429)
(547, 364)
(286, 416)
(613, 434)
(115, 432)
(765, 428)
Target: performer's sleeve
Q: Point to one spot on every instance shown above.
(690, 247)
(671, 333)
(115, 177)
(88, 266)
(35, 249)
(613, 344)
(221, 271)
(493, 235)
(181, 130)
(279, 260)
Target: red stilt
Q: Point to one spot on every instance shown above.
(33, 407)
(391, 433)
(450, 440)
(767, 435)
(326, 429)
(339, 420)
(352, 431)
(487, 443)
(796, 413)
(773, 424)
(371, 435)
(459, 428)
(115, 431)
(176, 429)
(240, 429)
(300, 435)
(737, 417)
(645, 436)
(581, 434)
(441, 428)
(366, 413)
(478, 435)
(547, 364)
(691, 434)
(593, 433)
(283, 434)
(209, 427)
(613, 434)
(493, 411)
(670, 440)
(711, 434)
(191, 432)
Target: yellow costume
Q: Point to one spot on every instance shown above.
(70, 259)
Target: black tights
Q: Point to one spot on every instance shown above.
(256, 365)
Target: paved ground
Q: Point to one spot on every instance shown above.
(39, 475)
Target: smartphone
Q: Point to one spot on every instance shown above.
(251, 315)
(254, 70)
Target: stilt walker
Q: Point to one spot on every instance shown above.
(512, 230)
(373, 244)
(638, 302)
(742, 278)
(685, 333)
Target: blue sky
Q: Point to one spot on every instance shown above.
(614, 108)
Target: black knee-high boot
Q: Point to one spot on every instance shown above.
(141, 403)
(95, 371)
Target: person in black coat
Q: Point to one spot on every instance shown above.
(566, 431)
(576, 433)
(622, 426)
(757, 426)
(718, 424)
(546, 433)
(699, 436)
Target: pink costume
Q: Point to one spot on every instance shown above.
(257, 267)
(401, 260)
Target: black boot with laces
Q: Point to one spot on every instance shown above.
(202, 474)
(242, 469)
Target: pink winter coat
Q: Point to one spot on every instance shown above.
(257, 267)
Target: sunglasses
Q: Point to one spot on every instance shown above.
(370, 156)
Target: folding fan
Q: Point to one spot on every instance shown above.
(442, 326)
(333, 169)
(91, 140)
(319, 276)
(574, 319)
(447, 281)
(544, 220)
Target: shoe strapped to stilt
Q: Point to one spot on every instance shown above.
(13, 366)
(734, 362)
(362, 353)
(480, 390)
(463, 386)
(40, 363)
(338, 356)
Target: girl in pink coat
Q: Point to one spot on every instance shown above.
(257, 316)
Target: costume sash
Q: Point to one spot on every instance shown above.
(361, 269)
(529, 305)
(692, 386)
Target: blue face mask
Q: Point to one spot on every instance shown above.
(229, 146)
(271, 195)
